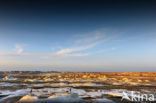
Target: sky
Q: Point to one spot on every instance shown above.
(78, 35)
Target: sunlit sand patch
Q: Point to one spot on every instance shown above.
(84, 84)
(133, 83)
(9, 78)
(28, 98)
(59, 95)
(147, 81)
(116, 83)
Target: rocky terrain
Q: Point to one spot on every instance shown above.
(61, 87)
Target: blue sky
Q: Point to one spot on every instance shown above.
(89, 37)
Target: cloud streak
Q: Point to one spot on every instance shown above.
(82, 43)
(91, 37)
(70, 50)
(18, 49)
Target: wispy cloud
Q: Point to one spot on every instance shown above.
(91, 37)
(18, 49)
(84, 42)
(67, 52)
(76, 55)
(113, 48)
(71, 50)
(94, 36)
(81, 44)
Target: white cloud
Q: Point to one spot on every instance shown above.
(91, 37)
(70, 50)
(84, 42)
(113, 48)
(75, 55)
(18, 49)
